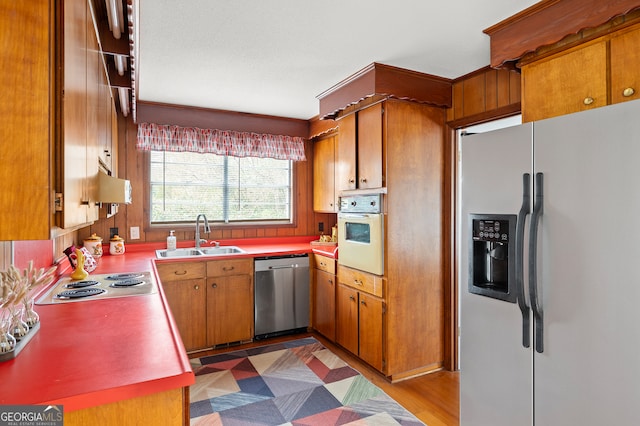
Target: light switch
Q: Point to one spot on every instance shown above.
(134, 232)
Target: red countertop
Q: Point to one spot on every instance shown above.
(95, 352)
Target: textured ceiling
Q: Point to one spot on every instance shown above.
(274, 57)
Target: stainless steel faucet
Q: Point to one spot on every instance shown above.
(207, 229)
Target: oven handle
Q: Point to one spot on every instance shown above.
(355, 215)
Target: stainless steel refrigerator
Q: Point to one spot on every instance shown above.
(550, 272)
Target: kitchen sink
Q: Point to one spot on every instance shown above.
(197, 252)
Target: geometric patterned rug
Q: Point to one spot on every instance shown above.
(298, 382)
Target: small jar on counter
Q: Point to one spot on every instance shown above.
(116, 245)
(94, 245)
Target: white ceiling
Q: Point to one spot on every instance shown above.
(274, 57)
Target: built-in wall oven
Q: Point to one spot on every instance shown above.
(361, 233)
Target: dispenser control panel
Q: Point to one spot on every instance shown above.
(492, 255)
(491, 230)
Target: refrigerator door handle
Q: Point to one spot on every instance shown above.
(525, 209)
(536, 305)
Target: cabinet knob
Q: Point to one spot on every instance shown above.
(628, 92)
(214, 285)
(196, 287)
(363, 180)
(588, 100)
(352, 298)
(331, 282)
(363, 303)
(352, 180)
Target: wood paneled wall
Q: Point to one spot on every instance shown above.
(134, 165)
(484, 95)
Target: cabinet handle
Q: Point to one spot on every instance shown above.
(363, 303)
(352, 298)
(352, 180)
(588, 100)
(180, 273)
(196, 287)
(331, 282)
(363, 180)
(358, 282)
(628, 92)
(214, 285)
(323, 264)
(224, 268)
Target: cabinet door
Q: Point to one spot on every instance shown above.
(347, 318)
(25, 150)
(92, 140)
(625, 67)
(370, 330)
(370, 161)
(73, 149)
(229, 309)
(188, 305)
(346, 158)
(324, 308)
(324, 194)
(568, 83)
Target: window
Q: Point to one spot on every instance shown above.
(227, 189)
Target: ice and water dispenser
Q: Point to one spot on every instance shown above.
(492, 256)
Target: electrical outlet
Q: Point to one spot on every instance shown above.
(112, 232)
(134, 232)
(321, 226)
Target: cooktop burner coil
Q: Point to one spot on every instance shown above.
(81, 284)
(127, 276)
(127, 283)
(79, 292)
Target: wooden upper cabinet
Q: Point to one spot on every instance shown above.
(360, 150)
(571, 82)
(26, 113)
(324, 193)
(600, 72)
(625, 66)
(346, 158)
(370, 147)
(72, 157)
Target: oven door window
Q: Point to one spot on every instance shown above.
(358, 232)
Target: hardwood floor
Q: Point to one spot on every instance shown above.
(433, 398)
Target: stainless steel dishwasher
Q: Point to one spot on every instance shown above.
(281, 295)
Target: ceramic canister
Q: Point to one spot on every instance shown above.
(116, 245)
(94, 245)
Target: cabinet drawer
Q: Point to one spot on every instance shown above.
(360, 280)
(324, 263)
(181, 271)
(219, 268)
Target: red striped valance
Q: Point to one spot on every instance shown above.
(159, 137)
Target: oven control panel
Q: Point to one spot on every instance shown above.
(361, 203)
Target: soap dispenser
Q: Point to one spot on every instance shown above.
(171, 241)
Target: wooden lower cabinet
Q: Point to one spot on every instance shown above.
(170, 408)
(211, 302)
(188, 303)
(324, 300)
(347, 318)
(359, 324)
(229, 309)
(370, 313)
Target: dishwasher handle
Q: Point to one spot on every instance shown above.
(285, 267)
